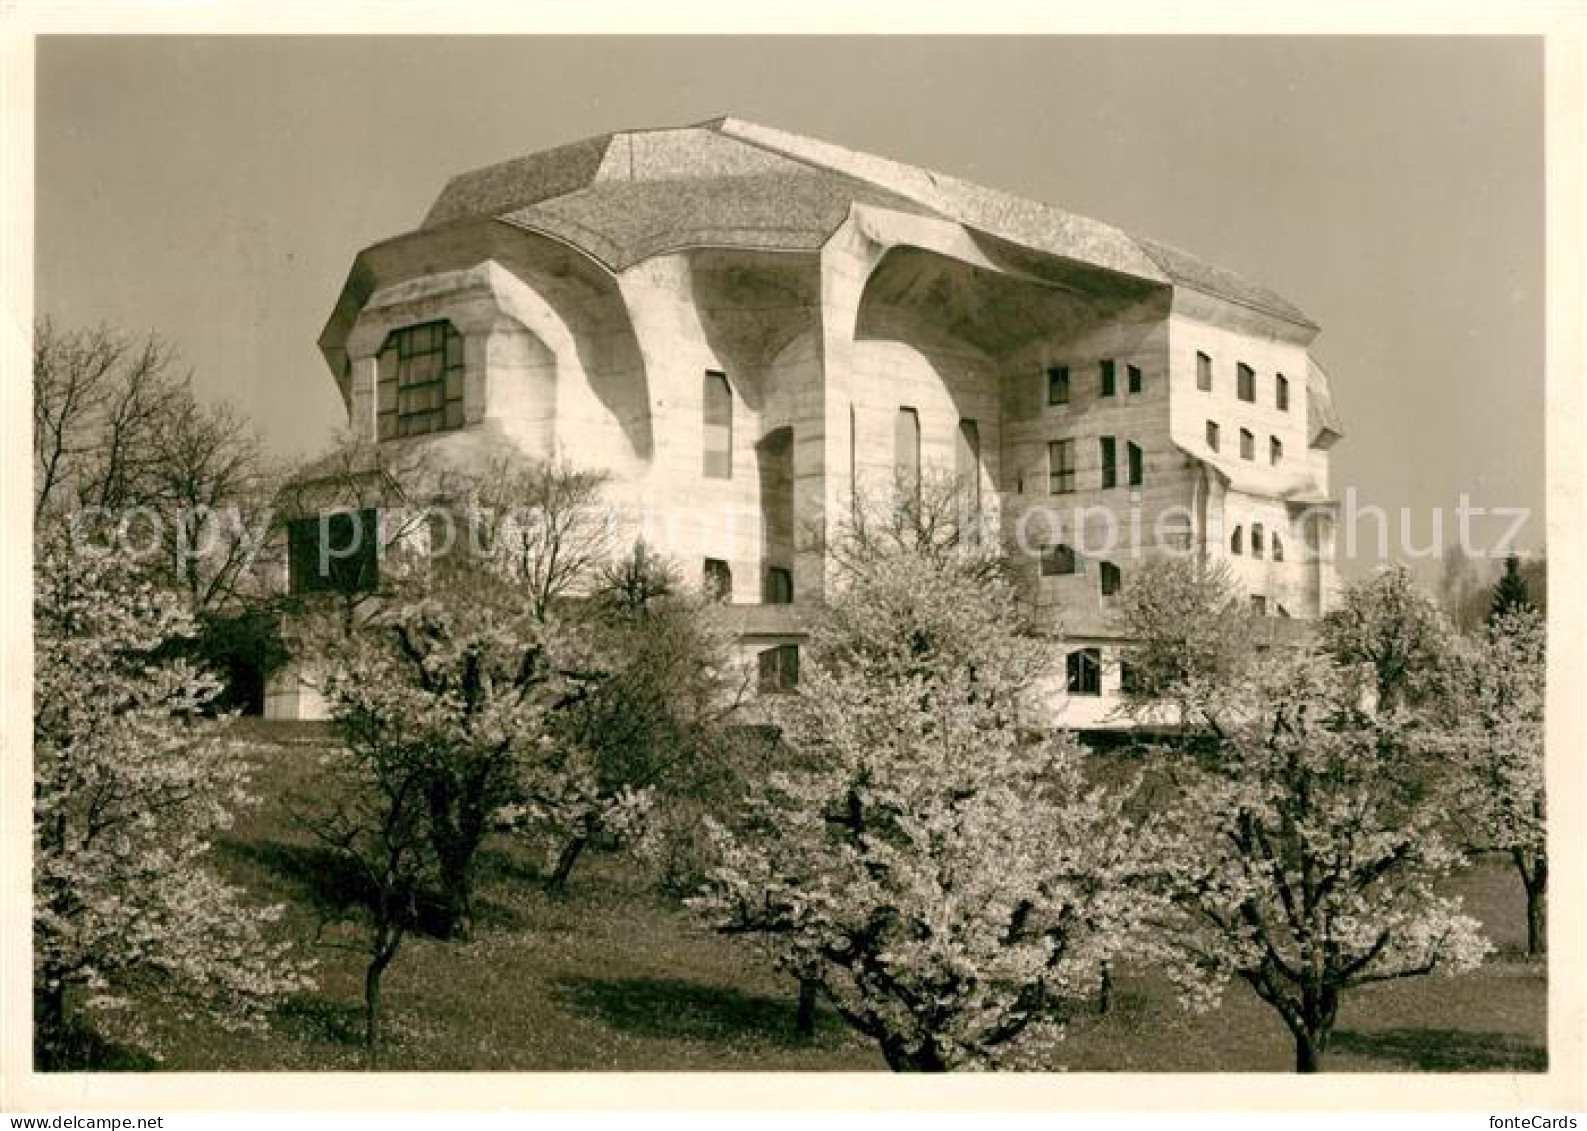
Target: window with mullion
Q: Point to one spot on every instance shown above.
(420, 381)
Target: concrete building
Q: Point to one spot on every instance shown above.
(746, 326)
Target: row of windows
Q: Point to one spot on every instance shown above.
(1258, 542)
(1060, 560)
(1107, 381)
(1244, 382)
(1061, 464)
(776, 586)
(1275, 446)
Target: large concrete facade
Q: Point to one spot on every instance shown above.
(594, 287)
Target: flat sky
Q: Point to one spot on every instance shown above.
(215, 190)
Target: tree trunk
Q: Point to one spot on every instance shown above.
(805, 1022)
(1535, 881)
(454, 860)
(901, 1058)
(1536, 920)
(49, 1027)
(569, 856)
(381, 959)
(1308, 1053)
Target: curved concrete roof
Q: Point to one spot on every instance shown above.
(623, 197)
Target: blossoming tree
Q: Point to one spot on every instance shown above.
(1304, 847)
(1496, 745)
(939, 871)
(130, 787)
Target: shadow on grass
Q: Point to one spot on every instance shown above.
(332, 885)
(83, 1049)
(324, 879)
(676, 1009)
(1446, 1050)
(333, 1021)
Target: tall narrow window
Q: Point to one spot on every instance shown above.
(718, 416)
(1275, 450)
(1057, 384)
(1212, 434)
(779, 586)
(1110, 461)
(1058, 561)
(1247, 444)
(1084, 671)
(1258, 542)
(1108, 378)
(1259, 604)
(968, 469)
(1137, 465)
(1134, 372)
(718, 580)
(1237, 541)
(1112, 579)
(1278, 547)
(1246, 382)
(906, 455)
(420, 386)
(1281, 393)
(1061, 466)
(1203, 372)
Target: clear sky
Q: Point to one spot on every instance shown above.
(216, 190)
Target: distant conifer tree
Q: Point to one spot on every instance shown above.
(1510, 594)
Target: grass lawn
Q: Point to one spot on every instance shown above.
(613, 977)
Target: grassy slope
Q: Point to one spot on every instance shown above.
(614, 978)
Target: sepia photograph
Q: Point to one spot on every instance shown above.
(744, 554)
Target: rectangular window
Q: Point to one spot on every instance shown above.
(779, 669)
(779, 586)
(1058, 561)
(1110, 467)
(1112, 579)
(334, 553)
(718, 580)
(967, 467)
(1281, 393)
(1258, 542)
(1085, 671)
(1203, 372)
(1259, 605)
(1057, 384)
(419, 386)
(1247, 444)
(718, 419)
(1061, 467)
(1137, 465)
(906, 454)
(1107, 379)
(1246, 378)
(1134, 372)
(1275, 450)
(1212, 434)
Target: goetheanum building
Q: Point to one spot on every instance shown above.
(746, 327)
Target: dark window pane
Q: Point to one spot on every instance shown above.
(1058, 385)
(1084, 672)
(718, 423)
